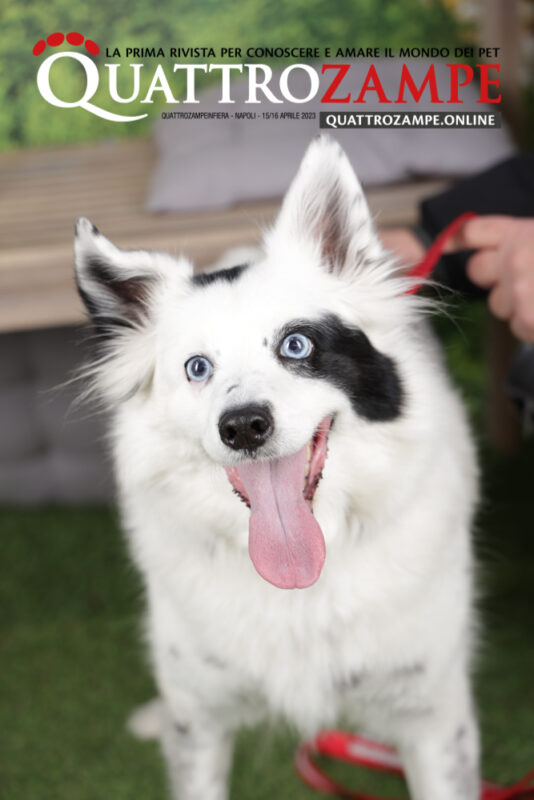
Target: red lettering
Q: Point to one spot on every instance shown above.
(407, 82)
(328, 96)
(372, 84)
(485, 83)
(455, 83)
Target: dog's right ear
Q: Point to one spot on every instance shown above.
(116, 285)
(325, 207)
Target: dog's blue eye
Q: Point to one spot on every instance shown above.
(296, 345)
(198, 368)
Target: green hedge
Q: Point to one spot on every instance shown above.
(26, 120)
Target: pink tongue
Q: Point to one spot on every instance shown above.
(286, 544)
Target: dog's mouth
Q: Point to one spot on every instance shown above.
(286, 544)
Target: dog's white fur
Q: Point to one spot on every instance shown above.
(384, 638)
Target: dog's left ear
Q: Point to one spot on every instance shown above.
(116, 285)
(325, 206)
(120, 289)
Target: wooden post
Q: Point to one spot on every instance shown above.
(500, 27)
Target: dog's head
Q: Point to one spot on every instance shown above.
(255, 366)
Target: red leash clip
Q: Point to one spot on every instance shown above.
(364, 752)
(435, 251)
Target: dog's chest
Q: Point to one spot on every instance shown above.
(306, 655)
(360, 635)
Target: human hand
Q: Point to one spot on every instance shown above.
(504, 264)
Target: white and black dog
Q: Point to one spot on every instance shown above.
(286, 425)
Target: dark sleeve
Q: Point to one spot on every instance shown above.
(507, 188)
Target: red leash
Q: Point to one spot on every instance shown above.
(435, 251)
(358, 750)
(364, 752)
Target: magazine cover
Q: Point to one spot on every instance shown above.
(266, 399)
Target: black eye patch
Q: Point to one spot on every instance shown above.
(344, 356)
(222, 275)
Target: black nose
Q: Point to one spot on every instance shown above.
(247, 427)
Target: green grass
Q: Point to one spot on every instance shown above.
(73, 666)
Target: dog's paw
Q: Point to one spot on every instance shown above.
(146, 722)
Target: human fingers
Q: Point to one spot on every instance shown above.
(522, 317)
(483, 268)
(482, 232)
(500, 301)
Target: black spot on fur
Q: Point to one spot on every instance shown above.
(229, 275)
(126, 303)
(181, 728)
(214, 661)
(350, 681)
(460, 734)
(409, 670)
(462, 771)
(131, 290)
(105, 324)
(94, 229)
(87, 300)
(345, 356)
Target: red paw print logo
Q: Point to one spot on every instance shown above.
(91, 71)
(55, 39)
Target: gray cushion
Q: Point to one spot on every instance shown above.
(217, 163)
(51, 449)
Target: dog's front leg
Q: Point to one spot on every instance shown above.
(441, 755)
(444, 767)
(199, 758)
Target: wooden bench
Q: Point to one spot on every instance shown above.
(44, 191)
